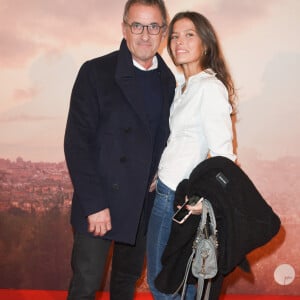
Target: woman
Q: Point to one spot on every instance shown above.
(200, 125)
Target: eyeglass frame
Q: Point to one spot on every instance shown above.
(160, 27)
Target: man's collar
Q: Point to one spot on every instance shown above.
(153, 67)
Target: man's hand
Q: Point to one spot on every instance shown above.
(99, 222)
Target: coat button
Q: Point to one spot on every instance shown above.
(128, 130)
(115, 187)
(123, 159)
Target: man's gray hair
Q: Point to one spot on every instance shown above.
(159, 3)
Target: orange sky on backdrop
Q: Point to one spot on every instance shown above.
(43, 44)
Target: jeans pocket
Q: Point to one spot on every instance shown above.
(161, 190)
(163, 202)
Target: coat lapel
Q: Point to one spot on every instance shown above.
(125, 78)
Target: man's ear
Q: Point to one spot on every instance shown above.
(123, 25)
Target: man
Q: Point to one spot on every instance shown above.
(116, 130)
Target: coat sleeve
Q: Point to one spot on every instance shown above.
(80, 143)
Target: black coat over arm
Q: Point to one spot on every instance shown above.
(244, 219)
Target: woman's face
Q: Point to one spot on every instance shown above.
(186, 45)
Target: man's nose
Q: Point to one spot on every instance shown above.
(145, 34)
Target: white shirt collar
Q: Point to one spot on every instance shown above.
(204, 73)
(153, 67)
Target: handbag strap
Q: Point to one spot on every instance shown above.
(200, 289)
(207, 209)
(186, 275)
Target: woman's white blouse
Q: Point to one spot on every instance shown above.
(200, 125)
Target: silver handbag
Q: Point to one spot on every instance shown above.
(203, 260)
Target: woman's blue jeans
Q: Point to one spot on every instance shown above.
(157, 237)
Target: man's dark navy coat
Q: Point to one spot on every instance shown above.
(108, 145)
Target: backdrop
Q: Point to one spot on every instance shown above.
(43, 44)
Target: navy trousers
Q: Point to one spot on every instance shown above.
(89, 258)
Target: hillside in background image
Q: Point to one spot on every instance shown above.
(36, 237)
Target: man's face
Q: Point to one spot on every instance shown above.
(143, 46)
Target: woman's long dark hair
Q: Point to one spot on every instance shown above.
(213, 57)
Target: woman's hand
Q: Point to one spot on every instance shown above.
(195, 209)
(153, 183)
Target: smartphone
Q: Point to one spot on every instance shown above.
(183, 213)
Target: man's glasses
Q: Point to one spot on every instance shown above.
(138, 28)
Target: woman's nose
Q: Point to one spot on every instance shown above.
(179, 41)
